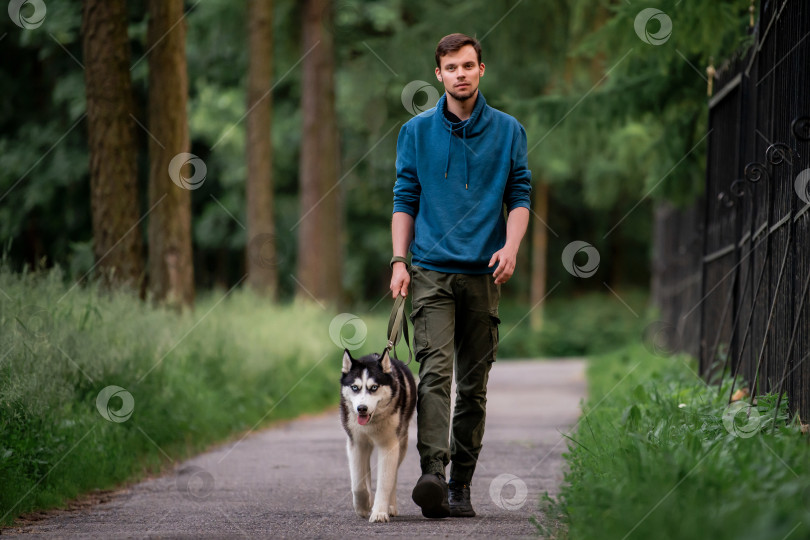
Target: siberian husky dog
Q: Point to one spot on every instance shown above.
(377, 400)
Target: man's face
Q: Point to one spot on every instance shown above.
(460, 72)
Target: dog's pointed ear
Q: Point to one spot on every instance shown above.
(347, 361)
(385, 362)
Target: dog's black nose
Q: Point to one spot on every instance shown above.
(362, 409)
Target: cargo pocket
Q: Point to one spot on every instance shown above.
(420, 337)
(494, 333)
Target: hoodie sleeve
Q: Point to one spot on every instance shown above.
(518, 186)
(406, 189)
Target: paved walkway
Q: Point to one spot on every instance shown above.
(293, 480)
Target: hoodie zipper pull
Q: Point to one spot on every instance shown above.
(465, 186)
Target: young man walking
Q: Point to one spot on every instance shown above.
(458, 166)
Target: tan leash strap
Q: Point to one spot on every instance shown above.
(397, 327)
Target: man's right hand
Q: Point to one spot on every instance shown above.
(400, 279)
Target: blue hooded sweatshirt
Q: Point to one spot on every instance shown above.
(454, 179)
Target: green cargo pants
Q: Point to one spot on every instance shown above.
(453, 315)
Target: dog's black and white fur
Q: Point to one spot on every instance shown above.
(377, 400)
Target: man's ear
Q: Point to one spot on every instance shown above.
(438, 74)
(385, 362)
(347, 361)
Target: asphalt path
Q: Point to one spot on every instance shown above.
(292, 480)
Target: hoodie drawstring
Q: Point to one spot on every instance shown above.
(447, 164)
(464, 144)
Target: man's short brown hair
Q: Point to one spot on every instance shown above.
(454, 42)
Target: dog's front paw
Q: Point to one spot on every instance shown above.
(392, 510)
(362, 505)
(378, 516)
(362, 512)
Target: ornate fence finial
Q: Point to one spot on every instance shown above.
(755, 171)
(710, 72)
(778, 153)
(751, 14)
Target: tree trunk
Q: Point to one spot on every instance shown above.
(539, 254)
(117, 243)
(319, 234)
(261, 247)
(171, 270)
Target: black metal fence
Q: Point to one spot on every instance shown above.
(735, 268)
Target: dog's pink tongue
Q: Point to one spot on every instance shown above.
(363, 420)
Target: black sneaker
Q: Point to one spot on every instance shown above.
(430, 494)
(459, 500)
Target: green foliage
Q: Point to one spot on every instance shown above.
(661, 86)
(43, 152)
(592, 323)
(652, 458)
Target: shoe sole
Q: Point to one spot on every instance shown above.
(428, 496)
(460, 513)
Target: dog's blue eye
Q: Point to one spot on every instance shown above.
(374, 387)
(355, 388)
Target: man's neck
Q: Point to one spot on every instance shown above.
(462, 109)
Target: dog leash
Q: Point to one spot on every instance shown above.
(397, 327)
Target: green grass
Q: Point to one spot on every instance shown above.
(583, 325)
(195, 378)
(652, 458)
